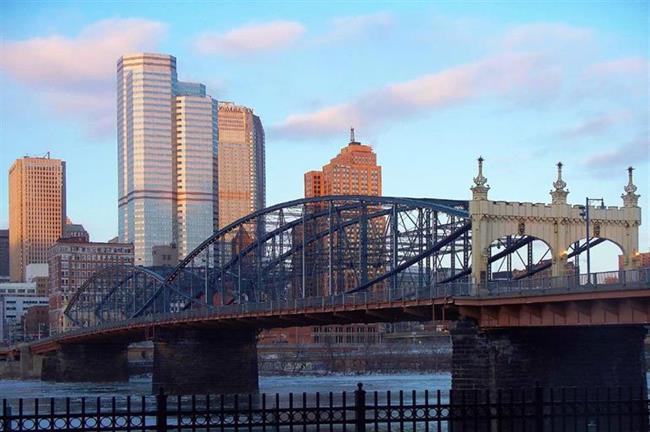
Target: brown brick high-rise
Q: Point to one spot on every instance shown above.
(37, 210)
(354, 171)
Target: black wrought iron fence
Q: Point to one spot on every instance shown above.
(535, 410)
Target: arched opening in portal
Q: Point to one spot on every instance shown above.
(603, 257)
(516, 257)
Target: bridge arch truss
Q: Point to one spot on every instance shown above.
(310, 247)
(321, 247)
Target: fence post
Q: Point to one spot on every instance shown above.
(360, 409)
(6, 412)
(539, 408)
(161, 411)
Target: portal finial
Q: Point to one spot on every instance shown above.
(480, 188)
(559, 194)
(630, 198)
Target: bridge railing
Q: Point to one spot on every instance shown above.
(384, 295)
(387, 296)
(623, 279)
(370, 297)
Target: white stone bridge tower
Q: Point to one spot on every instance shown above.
(558, 224)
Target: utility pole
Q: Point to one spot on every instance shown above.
(588, 241)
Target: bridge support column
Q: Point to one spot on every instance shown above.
(30, 365)
(598, 356)
(87, 362)
(553, 357)
(201, 361)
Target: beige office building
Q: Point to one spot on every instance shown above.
(37, 211)
(195, 151)
(242, 177)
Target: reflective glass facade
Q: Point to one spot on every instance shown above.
(147, 90)
(195, 146)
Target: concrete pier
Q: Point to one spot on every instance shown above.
(87, 362)
(201, 361)
(582, 360)
(588, 357)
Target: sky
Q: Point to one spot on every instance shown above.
(430, 85)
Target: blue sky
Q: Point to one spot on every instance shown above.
(429, 85)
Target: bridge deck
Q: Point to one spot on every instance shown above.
(614, 303)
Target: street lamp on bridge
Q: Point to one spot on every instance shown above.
(585, 214)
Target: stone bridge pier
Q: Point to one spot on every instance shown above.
(590, 358)
(97, 361)
(205, 360)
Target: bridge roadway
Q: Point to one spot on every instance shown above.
(508, 305)
(533, 324)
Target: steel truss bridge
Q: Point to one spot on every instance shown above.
(323, 249)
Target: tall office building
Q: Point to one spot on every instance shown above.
(167, 150)
(37, 210)
(195, 150)
(4, 255)
(354, 171)
(242, 172)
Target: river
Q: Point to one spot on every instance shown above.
(11, 389)
(268, 384)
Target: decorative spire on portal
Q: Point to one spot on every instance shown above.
(480, 188)
(630, 198)
(559, 194)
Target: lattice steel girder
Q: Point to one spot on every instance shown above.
(314, 246)
(103, 297)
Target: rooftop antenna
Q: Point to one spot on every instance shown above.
(352, 135)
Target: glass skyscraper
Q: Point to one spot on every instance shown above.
(195, 150)
(167, 151)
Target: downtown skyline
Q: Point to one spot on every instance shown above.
(528, 88)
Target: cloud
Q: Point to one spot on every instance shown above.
(514, 76)
(619, 78)
(74, 74)
(613, 161)
(596, 125)
(622, 67)
(545, 36)
(527, 66)
(345, 28)
(88, 58)
(250, 39)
